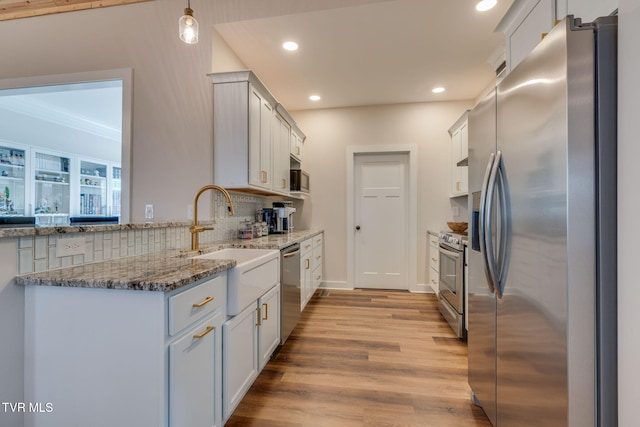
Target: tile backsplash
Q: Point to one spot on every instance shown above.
(38, 253)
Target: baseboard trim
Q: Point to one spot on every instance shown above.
(421, 288)
(327, 284)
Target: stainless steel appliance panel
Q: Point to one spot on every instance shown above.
(482, 302)
(551, 259)
(290, 290)
(549, 164)
(451, 270)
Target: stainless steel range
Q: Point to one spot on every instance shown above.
(451, 284)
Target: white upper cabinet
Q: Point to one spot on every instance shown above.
(459, 153)
(524, 25)
(251, 135)
(281, 150)
(260, 139)
(297, 138)
(527, 21)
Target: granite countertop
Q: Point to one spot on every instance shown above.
(161, 271)
(68, 229)
(272, 241)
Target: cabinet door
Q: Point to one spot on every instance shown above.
(296, 146)
(52, 194)
(240, 357)
(269, 330)
(459, 151)
(464, 141)
(434, 263)
(260, 122)
(93, 188)
(305, 277)
(281, 147)
(13, 193)
(193, 397)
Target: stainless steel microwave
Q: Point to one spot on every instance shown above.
(299, 180)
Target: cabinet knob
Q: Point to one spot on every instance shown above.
(357, 228)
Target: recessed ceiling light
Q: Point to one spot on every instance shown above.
(438, 89)
(291, 46)
(314, 98)
(485, 5)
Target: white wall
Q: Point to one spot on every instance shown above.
(628, 208)
(329, 133)
(35, 132)
(172, 96)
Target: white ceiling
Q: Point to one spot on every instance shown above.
(377, 53)
(94, 107)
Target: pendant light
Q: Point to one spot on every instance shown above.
(188, 26)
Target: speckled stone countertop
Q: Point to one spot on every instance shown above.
(161, 271)
(272, 241)
(47, 231)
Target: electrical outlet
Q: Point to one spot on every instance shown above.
(455, 211)
(70, 246)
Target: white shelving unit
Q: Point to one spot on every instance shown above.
(93, 188)
(12, 181)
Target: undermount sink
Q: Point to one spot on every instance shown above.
(256, 271)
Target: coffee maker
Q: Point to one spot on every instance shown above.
(269, 216)
(283, 217)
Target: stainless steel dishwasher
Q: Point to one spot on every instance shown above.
(290, 290)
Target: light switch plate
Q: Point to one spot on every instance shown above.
(70, 246)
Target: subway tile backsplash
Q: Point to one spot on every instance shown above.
(38, 253)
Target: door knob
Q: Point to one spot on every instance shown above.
(357, 228)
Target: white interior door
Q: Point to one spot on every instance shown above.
(381, 220)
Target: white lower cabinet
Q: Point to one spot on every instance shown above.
(306, 281)
(195, 375)
(240, 357)
(311, 258)
(108, 357)
(249, 339)
(269, 330)
(434, 262)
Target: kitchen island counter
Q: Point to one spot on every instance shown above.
(162, 271)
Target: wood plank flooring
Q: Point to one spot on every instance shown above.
(365, 358)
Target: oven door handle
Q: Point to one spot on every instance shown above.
(482, 232)
(453, 254)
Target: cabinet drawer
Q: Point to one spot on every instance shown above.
(433, 277)
(316, 257)
(306, 245)
(318, 240)
(196, 303)
(434, 259)
(316, 277)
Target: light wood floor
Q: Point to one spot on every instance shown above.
(365, 358)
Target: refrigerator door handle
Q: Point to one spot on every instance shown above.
(488, 224)
(481, 222)
(505, 227)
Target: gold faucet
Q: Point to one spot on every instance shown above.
(196, 229)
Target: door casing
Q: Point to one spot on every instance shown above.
(412, 192)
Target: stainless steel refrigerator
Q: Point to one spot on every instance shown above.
(542, 264)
